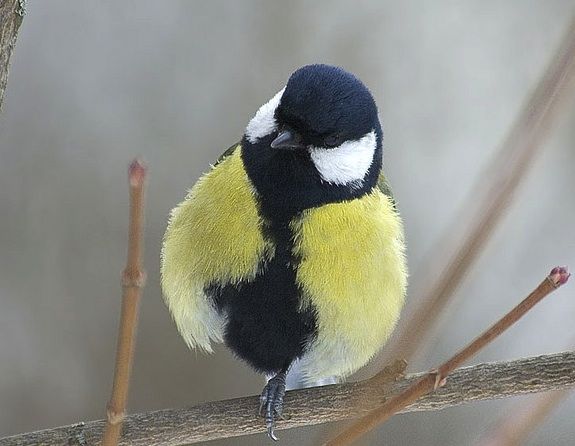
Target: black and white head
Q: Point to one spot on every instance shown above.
(320, 133)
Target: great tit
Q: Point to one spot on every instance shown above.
(290, 248)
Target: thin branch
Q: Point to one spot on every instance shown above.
(11, 15)
(437, 377)
(306, 407)
(133, 279)
(503, 175)
(514, 430)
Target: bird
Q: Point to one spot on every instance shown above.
(290, 249)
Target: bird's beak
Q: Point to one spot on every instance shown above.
(287, 139)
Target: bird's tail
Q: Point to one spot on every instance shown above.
(297, 380)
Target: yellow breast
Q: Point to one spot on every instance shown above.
(213, 236)
(353, 272)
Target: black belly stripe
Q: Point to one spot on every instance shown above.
(265, 326)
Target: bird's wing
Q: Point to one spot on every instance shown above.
(384, 187)
(227, 153)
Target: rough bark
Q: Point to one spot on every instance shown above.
(230, 418)
(11, 14)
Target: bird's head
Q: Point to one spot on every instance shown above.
(322, 128)
(327, 112)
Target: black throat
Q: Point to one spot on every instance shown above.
(287, 182)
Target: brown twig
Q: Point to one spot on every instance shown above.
(306, 407)
(11, 15)
(503, 175)
(133, 279)
(436, 378)
(515, 429)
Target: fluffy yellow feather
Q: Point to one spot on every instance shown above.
(353, 273)
(213, 236)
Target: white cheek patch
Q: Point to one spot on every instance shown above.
(347, 164)
(264, 123)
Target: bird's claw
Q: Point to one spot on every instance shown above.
(271, 402)
(271, 432)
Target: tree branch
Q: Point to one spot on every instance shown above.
(133, 278)
(436, 378)
(232, 418)
(11, 14)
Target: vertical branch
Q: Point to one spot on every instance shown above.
(133, 279)
(437, 377)
(503, 175)
(11, 15)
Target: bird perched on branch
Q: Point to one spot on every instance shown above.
(290, 248)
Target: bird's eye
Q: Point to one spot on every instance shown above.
(331, 140)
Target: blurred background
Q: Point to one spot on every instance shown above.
(93, 84)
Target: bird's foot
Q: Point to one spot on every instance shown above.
(271, 402)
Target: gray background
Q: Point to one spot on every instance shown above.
(95, 83)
